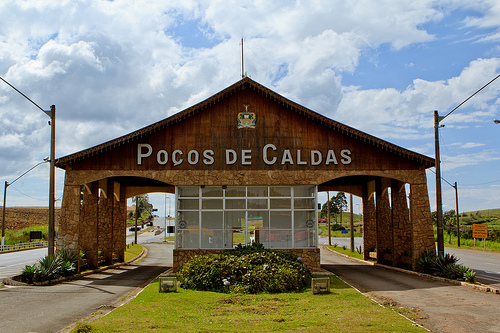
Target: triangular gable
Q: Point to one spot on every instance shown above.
(297, 131)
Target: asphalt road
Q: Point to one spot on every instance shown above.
(485, 264)
(439, 307)
(52, 308)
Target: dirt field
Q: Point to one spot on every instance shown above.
(17, 218)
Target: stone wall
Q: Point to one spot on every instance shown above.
(309, 256)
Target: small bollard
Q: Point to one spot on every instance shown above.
(320, 285)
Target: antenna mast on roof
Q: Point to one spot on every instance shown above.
(243, 74)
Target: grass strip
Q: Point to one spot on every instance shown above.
(132, 251)
(342, 310)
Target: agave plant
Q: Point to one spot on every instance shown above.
(48, 268)
(29, 272)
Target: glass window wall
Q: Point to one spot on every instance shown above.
(223, 217)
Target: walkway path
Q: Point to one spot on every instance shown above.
(440, 307)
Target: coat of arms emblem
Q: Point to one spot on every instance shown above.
(246, 119)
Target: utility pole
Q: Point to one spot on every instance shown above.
(456, 211)
(328, 217)
(352, 223)
(439, 202)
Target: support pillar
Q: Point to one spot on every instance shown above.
(385, 242)
(69, 219)
(89, 226)
(369, 220)
(420, 212)
(402, 228)
(105, 220)
(119, 221)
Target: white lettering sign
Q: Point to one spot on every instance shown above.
(270, 156)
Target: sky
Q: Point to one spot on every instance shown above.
(383, 67)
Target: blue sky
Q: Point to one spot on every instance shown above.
(380, 66)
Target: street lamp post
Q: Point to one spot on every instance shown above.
(7, 184)
(167, 197)
(52, 114)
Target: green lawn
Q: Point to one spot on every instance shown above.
(343, 310)
(132, 251)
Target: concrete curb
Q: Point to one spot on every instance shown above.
(478, 287)
(12, 282)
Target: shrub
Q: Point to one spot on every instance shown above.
(251, 269)
(445, 266)
(64, 263)
(28, 273)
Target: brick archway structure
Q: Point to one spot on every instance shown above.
(247, 135)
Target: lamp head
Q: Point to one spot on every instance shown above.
(496, 121)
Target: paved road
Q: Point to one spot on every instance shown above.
(485, 264)
(52, 308)
(441, 307)
(12, 263)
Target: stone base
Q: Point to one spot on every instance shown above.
(310, 256)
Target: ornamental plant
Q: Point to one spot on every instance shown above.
(51, 267)
(248, 270)
(445, 266)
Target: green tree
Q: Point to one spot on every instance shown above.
(340, 202)
(142, 203)
(337, 204)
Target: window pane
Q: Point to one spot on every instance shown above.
(257, 191)
(281, 220)
(188, 191)
(303, 203)
(281, 191)
(234, 191)
(304, 191)
(235, 204)
(280, 239)
(257, 204)
(191, 219)
(212, 191)
(305, 238)
(281, 204)
(304, 220)
(188, 238)
(212, 220)
(211, 239)
(211, 204)
(189, 204)
(234, 220)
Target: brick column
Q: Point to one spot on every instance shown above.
(69, 219)
(401, 221)
(105, 221)
(384, 221)
(423, 233)
(369, 222)
(119, 221)
(88, 227)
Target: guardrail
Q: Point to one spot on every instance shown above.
(21, 246)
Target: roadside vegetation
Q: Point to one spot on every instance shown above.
(490, 217)
(343, 310)
(63, 264)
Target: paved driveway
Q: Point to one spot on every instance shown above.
(52, 308)
(440, 307)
